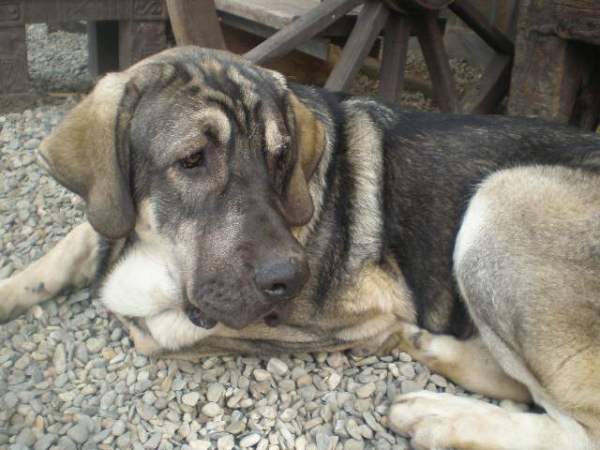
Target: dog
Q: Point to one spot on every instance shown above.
(233, 211)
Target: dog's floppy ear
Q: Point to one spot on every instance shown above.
(89, 151)
(310, 143)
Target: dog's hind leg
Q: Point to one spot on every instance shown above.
(71, 263)
(527, 264)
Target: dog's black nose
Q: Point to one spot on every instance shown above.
(281, 277)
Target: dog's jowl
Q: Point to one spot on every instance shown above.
(232, 211)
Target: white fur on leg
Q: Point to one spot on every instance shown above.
(444, 421)
(72, 262)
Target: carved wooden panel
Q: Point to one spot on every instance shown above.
(13, 61)
(148, 9)
(11, 13)
(70, 10)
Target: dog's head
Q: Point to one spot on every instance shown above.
(222, 151)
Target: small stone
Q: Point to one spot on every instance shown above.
(277, 367)
(353, 444)
(249, 440)
(334, 380)
(226, 442)
(178, 384)
(261, 375)
(95, 344)
(108, 353)
(45, 442)
(366, 391)
(407, 370)
(11, 400)
(60, 358)
(235, 427)
(108, 400)
(190, 399)
(200, 445)
(118, 428)
(438, 380)
(215, 392)
(79, 433)
(211, 409)
(323, 441)
(335, 360)
(408, 386)
(289, 414)
(146, 412)
(81, 353)
(26, 437)
(304, 380)
(353, 429)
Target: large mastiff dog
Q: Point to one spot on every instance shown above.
(232, 211)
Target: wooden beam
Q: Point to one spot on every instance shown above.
(393, 60)
(432, 45)
(369, 24)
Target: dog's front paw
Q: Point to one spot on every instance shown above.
(444, 421)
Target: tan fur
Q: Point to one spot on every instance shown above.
(297, 204)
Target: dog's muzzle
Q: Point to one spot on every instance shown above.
(276, 279)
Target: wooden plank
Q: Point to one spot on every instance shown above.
(432, 46)
(317, 47)
(195, 22)
(491, 87)
(393, 60)
(273, 13)
(369, 24)
(479, 23)
(302, 29)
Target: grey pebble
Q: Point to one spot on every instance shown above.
(277, 367)
(215, 392)
(45, 442)
(190, 399)
(226, 442)
(79, 433)
(146, 412)
(118, 428)
(211, 410)
(26, 437)
(408, 386)
(95, 344)
(249, 440)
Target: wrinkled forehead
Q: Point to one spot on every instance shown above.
(223, 98)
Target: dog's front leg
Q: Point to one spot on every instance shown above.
(71, 263)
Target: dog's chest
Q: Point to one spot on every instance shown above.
(142, 283)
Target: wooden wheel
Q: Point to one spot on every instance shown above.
(398, 19)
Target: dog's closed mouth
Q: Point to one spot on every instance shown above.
(198, 318)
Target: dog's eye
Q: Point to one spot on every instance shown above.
(194, 160)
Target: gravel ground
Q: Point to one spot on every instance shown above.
(70, 377)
